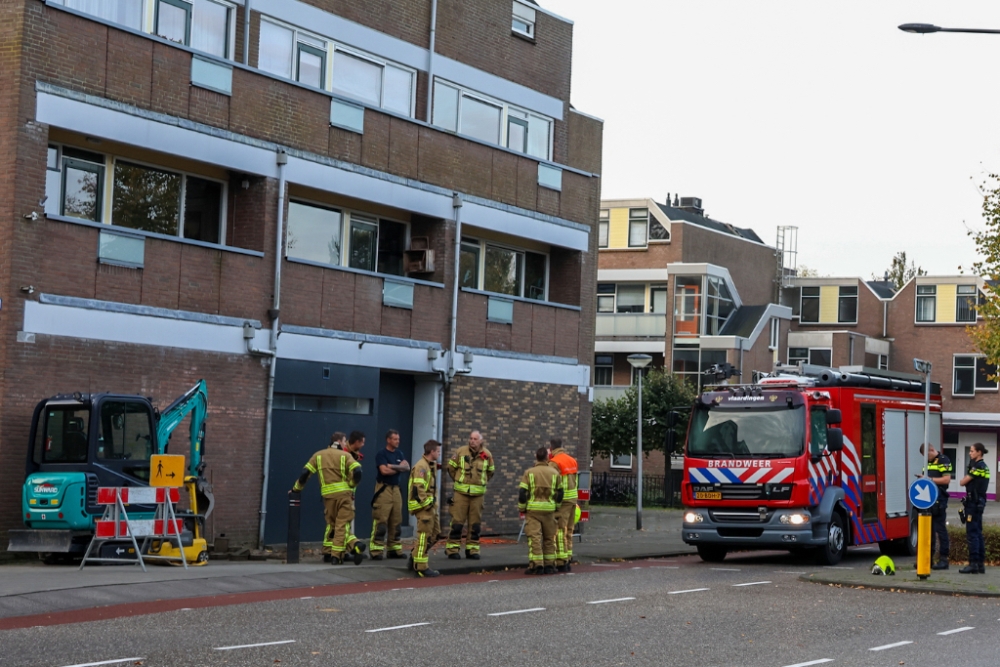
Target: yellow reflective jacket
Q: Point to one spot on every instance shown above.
(471, 471)
(335, 468)
(422, 487)
(541, 484)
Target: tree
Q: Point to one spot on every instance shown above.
(899, 273)
(613, 427)
(804, 271)
(986, 336)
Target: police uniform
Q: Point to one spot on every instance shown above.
(938, 468)
(566, 513)
(539, 495)
(387, 508)
(471, 471)
(422, 504)
(339, 473)
(975, 503)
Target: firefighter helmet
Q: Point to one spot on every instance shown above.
(884, 565)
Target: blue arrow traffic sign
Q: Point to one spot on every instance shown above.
(923, 494)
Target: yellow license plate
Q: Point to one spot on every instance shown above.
(708, 495)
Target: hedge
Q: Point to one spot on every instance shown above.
(959, 551)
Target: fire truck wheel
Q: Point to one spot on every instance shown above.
(836, 542)
(712, 554)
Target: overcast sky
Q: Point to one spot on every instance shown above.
(823, 116)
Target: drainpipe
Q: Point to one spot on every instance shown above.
(430, 58)
(282, 160)
(450, 372)
(246, 33)
(885, 315)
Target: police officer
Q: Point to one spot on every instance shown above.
(471, 467)
(976, 480)
(566, 512)
(539, 495)
(339, 474)
(387, 503)
(422, 504)
(940, 471)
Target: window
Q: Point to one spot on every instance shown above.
(621, 461)
(821, 357)
(82, 184)
(637, 372)
(311, 65)
(499, 310)
(364, 242)
(492, 121)
(972, 374)
(397, 294)
(605, 297)
(314, 233)
(817, 431)
(775, 332)
(631, 299)
(798, 355)
(690, 363)
(293, 54)
(374, 81)
(883, 362)
(718, 306)
(339, 404)
(123, 12)
(201, 24)
(965, 303)
(657, 232)
(926, 303)
(604, 367)
(638, 225)
(391, 244)
(809, 308)
(62, 438)
(847, 307)
(125, 432)
(468, 266)
(504, 270)
(523, 20)
(602, 229)
(658, 299)
(156, 200)
(687, 305)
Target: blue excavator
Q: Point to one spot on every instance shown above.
(80, 442)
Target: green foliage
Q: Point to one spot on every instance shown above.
(614, 421)
(986, 336)
(804, 271)
(899, 273)
(959, 548)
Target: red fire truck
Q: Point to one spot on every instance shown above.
(817, 461)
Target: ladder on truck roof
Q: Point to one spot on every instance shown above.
(846, 376)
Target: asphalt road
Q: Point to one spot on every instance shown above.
(749, 610)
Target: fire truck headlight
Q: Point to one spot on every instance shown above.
(693, 517)
(795, 518)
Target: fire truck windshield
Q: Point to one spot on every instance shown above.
(771, 432)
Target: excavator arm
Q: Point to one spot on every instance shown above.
(194, 402)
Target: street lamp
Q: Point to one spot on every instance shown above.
(924, 28)
(639, 361)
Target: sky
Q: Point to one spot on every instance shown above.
(823, 116)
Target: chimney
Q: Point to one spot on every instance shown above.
(691, 205)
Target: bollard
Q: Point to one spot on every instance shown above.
(924, 545)
(294, 511)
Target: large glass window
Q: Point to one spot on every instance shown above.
(638, 225)
(972, 374)
(202, 209)
(777, 432)
(534, 276)
(173, 20)
(276, 47)
(481, 120)
(364, 242)
(604, 370)
(965, 303)
(82, 185)
(926, 303)
(468, 269)
(821, 357)
(847, 307)
(631, 298)
(123, 12)
(718, 305)
(210, 27)
(314, 233)
(809, 308)
(503, 271)
(146, 198)
(370, 80)
(391, 244)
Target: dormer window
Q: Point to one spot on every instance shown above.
(523, 20)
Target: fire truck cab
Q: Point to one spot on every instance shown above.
(817, 461)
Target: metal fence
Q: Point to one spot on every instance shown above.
(619, 488)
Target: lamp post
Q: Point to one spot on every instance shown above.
(639, 361)
(925, 28)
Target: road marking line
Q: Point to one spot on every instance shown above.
(788, 572)
(491, 581)
(606, 565)
(811, 662)
(636, 568)
(230, 648)
(666, 567)
(690, 590)
(612, 600)
(105, 662)
(956, 630)
(394, 589)
(888, 646)
(308, 597)
(186, 609)
(837, 567)
(752, 583)
(726, 569)
(398, 627)
(518, 611)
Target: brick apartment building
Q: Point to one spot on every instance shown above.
(853, 323)
(186, 193)
(686, 289)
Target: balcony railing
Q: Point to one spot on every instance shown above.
(601, 393)
(650, 325)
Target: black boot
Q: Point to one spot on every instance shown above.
(392, 555)
(971, 568)
(981, 568)
(940, 565)
(359, 553)
(455, 556)
(472, 555)
(549, 569)
(327, 558)
(428, 573)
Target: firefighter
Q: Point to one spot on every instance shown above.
(566, 514)
(976, 479)
(471, 467)
(423, 505)
(387, 503)
(539, 495)
(339, 474)
(940, 471)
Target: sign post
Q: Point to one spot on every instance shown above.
(923, 495)
(924, 519)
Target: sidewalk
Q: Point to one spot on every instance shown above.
(34, 588)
